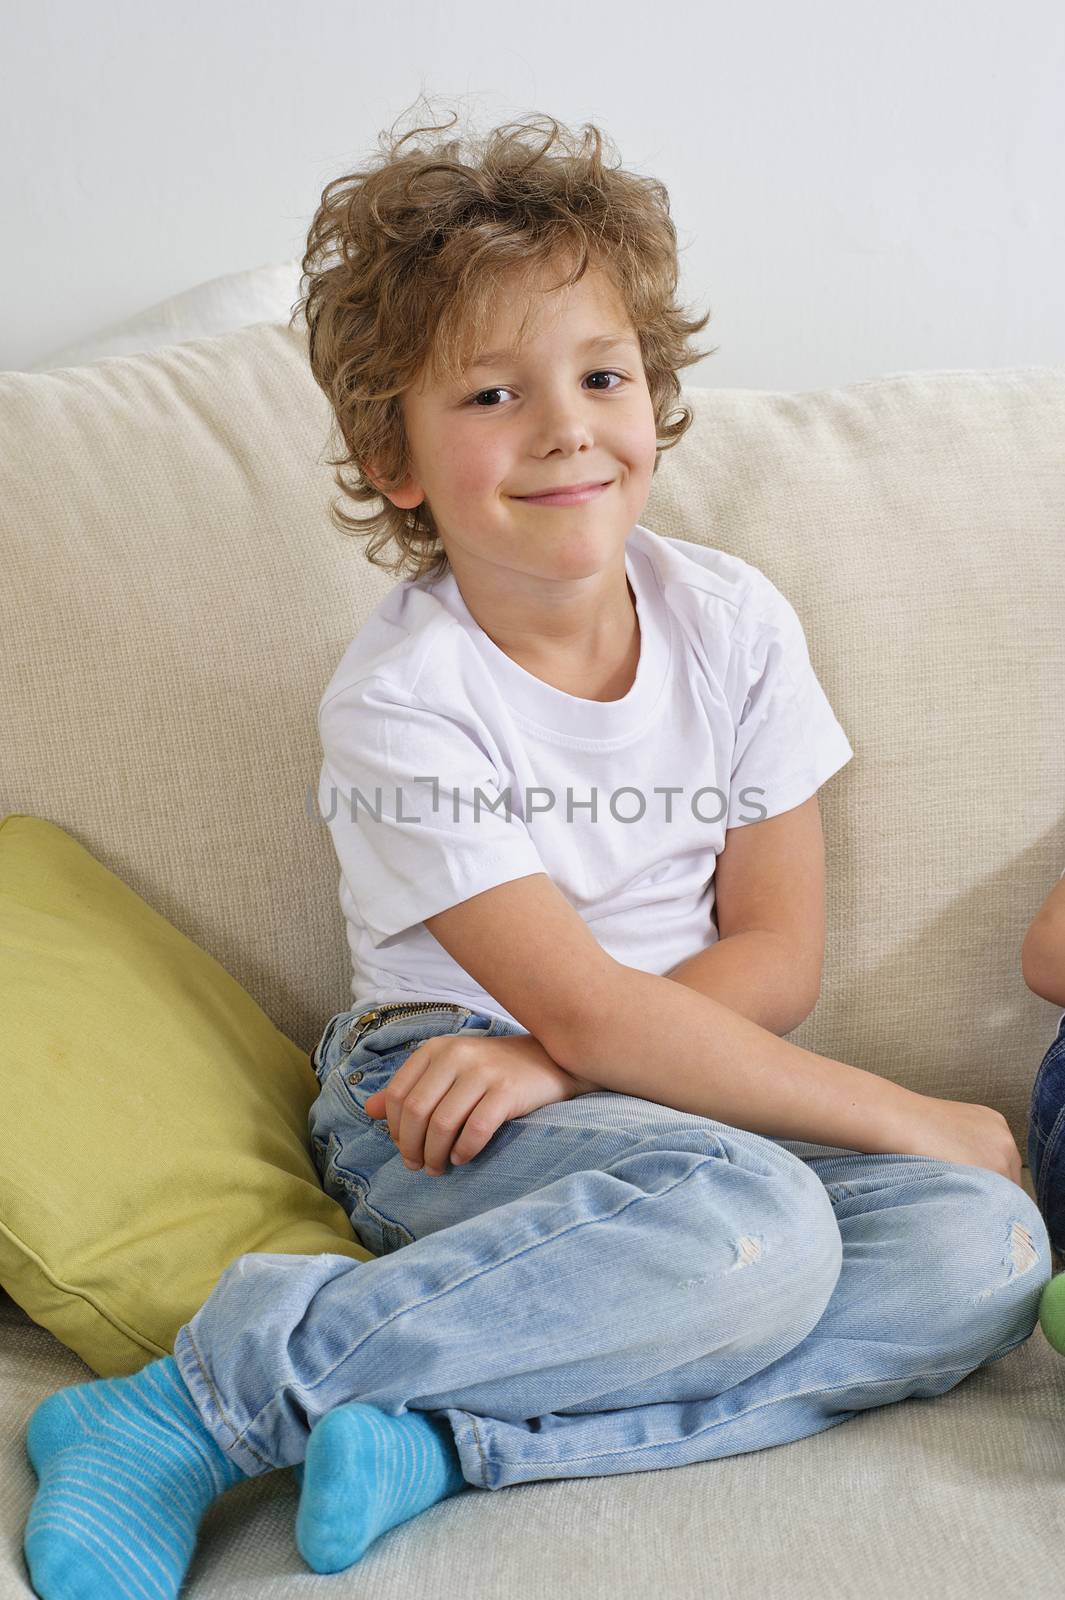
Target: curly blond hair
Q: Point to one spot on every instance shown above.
(405, 264)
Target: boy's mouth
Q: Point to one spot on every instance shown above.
(568, 495)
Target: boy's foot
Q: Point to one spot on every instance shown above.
(127, 1469)
(365, 1472)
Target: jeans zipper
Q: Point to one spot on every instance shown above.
(361, 1024)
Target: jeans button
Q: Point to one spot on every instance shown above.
(354, 1077)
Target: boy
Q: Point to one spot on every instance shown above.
(622, 1253)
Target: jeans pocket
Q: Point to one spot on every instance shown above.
(348, 1169)
(364, 1073)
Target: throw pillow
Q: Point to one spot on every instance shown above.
(154, 1120)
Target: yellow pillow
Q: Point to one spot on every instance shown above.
(154, 1121)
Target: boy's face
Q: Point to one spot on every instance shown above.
(561, 412)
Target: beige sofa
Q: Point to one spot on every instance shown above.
(175, 599)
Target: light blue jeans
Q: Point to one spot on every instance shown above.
(610, 1286)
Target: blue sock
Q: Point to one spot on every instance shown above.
(127, 1469)
(365, 1472)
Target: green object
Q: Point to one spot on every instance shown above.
(154, 1122)
(1052, 1312)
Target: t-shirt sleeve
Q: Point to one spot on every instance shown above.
(788, 741)
(414, 805)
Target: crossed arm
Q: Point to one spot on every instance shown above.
(585, 1012)
(766, 963)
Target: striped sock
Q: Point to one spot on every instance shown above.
(365, 1472)
(127, 1469)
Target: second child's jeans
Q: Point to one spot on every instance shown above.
(1046, 1139)
(610, 1286)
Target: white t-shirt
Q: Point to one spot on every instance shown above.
(725, 711)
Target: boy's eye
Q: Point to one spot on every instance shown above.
(502, 389)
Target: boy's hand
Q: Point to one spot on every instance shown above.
(453, 1092)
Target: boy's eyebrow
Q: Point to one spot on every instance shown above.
(598, 341)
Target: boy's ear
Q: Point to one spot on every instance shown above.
(408, 495)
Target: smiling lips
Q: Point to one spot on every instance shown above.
(574, 495)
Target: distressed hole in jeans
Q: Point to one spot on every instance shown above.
(748, 1249)
(1022, 1256)
(1025, 1255)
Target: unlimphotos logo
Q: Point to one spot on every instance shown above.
(537, 801)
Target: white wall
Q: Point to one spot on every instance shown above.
(859, 188)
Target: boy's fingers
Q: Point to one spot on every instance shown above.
(450, 1123)
(481, 1126)
(433, 1113)
(412, 1132)
(405, 1077)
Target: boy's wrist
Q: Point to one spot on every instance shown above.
(526, 1045)
(575, 1084)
